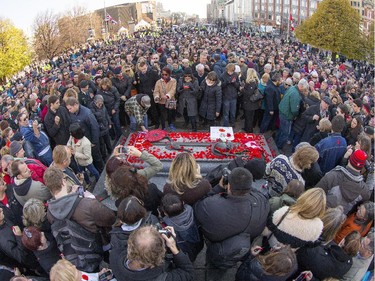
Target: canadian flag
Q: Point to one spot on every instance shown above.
(291, 22)
(109, 18)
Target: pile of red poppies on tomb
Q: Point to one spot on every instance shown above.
(247, 145)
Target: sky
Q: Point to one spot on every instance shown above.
(23, 12)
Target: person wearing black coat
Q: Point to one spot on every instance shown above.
(230, 85)
(111, 98)
(145, 80)
(311, 118)
(249, 107)
(211, 100)
(330, 260)
(57, 121)
(188, 92)
(312, 176)
(230, 217)
(43, 245)
(86, 94)
(105, 123)
(84, 116)
(272, 99)
(12, 209)
(12, 252)
(277, 265)
(123, 84)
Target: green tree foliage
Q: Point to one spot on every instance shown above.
(335, 26)
(14, 50)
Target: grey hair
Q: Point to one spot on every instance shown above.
(34, 213)
(199, 66)
(302, 144)
(268, 66)
(98, 97)
(304, 84)
(297, 75)
(7, 158)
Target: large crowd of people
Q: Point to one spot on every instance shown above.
(61, 119)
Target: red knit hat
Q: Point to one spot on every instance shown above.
(358, 159)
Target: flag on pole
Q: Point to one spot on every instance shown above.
(291, 22)
(109, 18)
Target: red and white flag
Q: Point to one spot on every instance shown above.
(109, 18)
(291, 22)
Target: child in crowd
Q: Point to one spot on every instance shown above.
(80, 147)
(288, 197)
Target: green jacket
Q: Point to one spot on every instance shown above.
(289, 105)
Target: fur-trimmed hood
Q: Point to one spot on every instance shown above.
(294, 230)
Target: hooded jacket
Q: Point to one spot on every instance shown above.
(293, 229)
(25, 189)
(188, 236)
(344, 186)
(120, 234)
(89, 213)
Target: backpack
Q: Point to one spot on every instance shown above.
(78, 245)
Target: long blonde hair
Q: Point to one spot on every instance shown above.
(251, 76)
(184, 172)
(63, 270)
(311, 204)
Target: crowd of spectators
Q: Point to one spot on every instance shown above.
(61, 119)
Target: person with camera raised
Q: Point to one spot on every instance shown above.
(31, 132)
(232, 215)
(143, 258)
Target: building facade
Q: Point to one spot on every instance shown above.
(276, 12)
(368, 16)
(127, 15)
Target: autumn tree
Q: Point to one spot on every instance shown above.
(335, 26)
(14, 50)
(74, 26)
(46, 41)
(370, 39)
